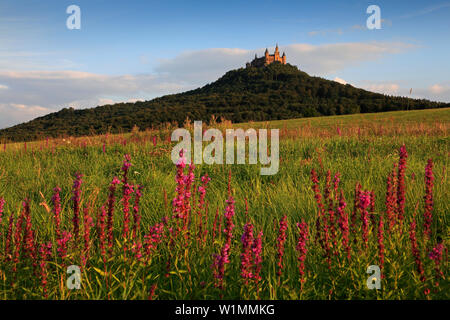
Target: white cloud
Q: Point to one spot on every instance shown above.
(3, 87)
(386, 88)
(55, 89)
(436, 92)
(341, 81)
(438, 89)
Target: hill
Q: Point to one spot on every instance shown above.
(274, 92)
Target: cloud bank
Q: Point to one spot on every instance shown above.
(25, 95)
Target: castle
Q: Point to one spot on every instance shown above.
(268, 59)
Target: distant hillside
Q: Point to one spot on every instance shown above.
(274, 92)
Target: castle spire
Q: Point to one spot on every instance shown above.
(276, 48)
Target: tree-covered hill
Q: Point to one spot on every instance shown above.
(274, 92)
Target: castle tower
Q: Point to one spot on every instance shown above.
(268, 58)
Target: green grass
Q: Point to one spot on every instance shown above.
(366, 158)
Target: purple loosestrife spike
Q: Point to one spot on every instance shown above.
(136, 249)
(257, 257)
(364, 202)
(401, 188)
(246, 255)
(28, 236)
(436, 256)
(153, 239)
(301, 248)
(76, 204)
(2, 204)
(101, 232)
(178, 202)
(201, 204)
(62, 244)
(127, 191)
(428, 213)
(44, 254)
(343, 224)
(189, 181)
(110, 221)
(125, 168)
(381, 244)
(136, 215)
(222, 259)
(17, 239)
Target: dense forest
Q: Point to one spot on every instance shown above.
(274, 92)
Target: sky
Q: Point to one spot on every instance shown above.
(137, 50)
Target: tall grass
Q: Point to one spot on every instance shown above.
(173, 254)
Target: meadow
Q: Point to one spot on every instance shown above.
(351, 191)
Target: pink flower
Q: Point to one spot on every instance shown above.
(62, 244)
(280, 244)
(153, 238)
(364, 202)
(436, 256)
(2, 204)
(136, 248)
(401, 188)
(380, 235)
(125, 168)
(343, 224)
(44, 253)
(428, 213)
(246, 255)
(201, 205)
(391, 198)
(136, 215)
(56, 199)
(127, 191)
(76, 204)
(222, 259)
(101, 232)
(28, 237)
(257, 257)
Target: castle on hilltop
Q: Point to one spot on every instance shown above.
(267, 59)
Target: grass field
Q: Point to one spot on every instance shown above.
(173, 258)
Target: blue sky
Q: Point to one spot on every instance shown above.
(135, 50)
